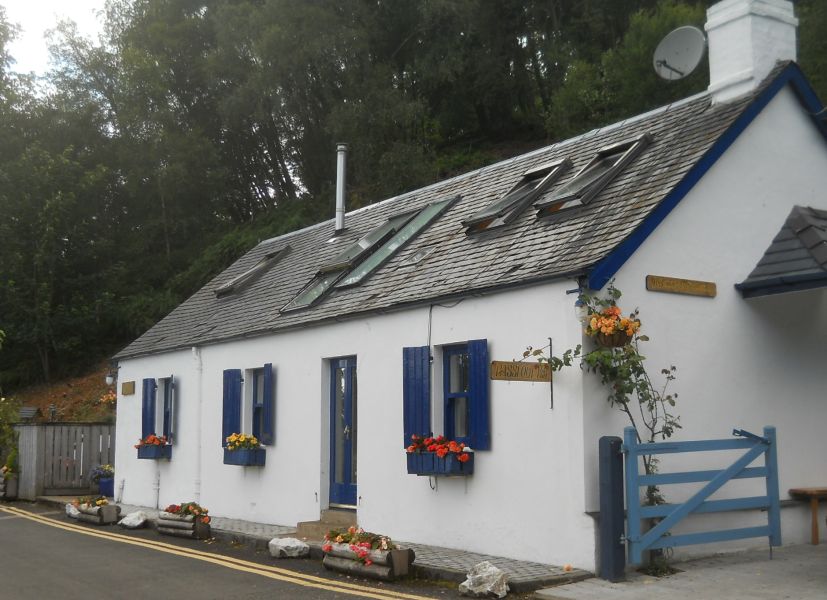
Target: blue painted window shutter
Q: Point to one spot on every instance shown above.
(269, 426)
(232, 404)
(148, 407)
(480, 409)
(416, 391)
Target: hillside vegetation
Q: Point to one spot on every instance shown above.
(150, 159)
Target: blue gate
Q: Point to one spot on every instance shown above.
(671, 514)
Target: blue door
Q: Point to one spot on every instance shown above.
(343, 431)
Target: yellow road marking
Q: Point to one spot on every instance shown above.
(225, 561)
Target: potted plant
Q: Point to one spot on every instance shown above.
(187, 519)
(358, 552)
(96, 510)
(104, 476)
(428, 455)
(8, 476)
(154, 447)
(243, 450)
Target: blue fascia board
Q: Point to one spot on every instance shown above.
(603, 271)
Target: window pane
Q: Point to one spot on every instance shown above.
(460, 414)
(459, 372)
(338, 426)
(411, 228)
(319, 286)
(353, 422)
(353, 252)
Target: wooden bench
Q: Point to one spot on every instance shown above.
(813, 494)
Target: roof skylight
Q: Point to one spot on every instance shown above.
(402, 237)
(509, 207)
(592, 178)
(359, 260)
(257, 269)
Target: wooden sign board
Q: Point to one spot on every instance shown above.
(127, 388)
(673, 285)
(520, 371)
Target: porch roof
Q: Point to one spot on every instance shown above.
(795, 260)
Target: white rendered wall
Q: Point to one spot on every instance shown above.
(741, 363)
(525, 499)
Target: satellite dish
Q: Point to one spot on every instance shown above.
(679, 53)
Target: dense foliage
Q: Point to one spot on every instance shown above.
(149, 159)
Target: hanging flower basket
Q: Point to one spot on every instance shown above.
(617, 339)
(610, 329)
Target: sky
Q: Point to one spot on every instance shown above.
(30, 49)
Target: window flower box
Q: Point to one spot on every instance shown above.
(154, 447)
(245, 457)
(438, 456)
(428, 463)
(155, 452)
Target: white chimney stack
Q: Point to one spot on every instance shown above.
(341, 165)
(746, 38)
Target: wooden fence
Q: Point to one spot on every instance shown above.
(57, 458)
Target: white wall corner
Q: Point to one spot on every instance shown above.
(746, 39)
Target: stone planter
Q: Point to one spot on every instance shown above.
(386, 565)
(154, 452)
(99, 515)
(245, 457)
(8, 487)
(428, 463)
(183, 526)
(106, 487)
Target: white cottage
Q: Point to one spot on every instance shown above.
(413, 297)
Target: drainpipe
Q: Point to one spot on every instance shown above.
(157, 485)
(199, 373)
(341, 164)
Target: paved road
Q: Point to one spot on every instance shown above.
(45, 556)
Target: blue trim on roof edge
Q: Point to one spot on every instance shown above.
(605, 269)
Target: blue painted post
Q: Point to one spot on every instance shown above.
(612, 555)
(632, 496)
(774, 511)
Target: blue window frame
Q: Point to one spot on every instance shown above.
(261, 405)
(456, 364)
(465, 393)
(168, 408)
(158, 417)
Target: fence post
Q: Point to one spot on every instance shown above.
(612, 550)
(771, 462)
(632, 496)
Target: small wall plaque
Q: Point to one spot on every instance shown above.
(520, 371)
(127, 388)
(673, 285)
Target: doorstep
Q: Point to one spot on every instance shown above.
(432, 562)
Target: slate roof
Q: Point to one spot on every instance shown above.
(524, 252)
(796, 259)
